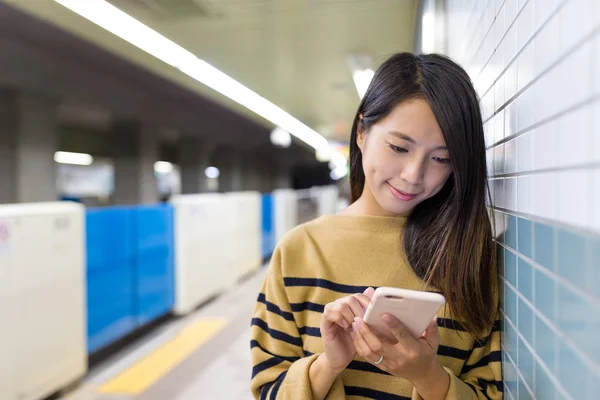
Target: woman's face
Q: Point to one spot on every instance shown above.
(405, 159)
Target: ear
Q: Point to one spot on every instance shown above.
(360, 134)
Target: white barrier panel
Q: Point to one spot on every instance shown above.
(327, 198)
(217, 240)
(245, 242)
(42, 278)
(285, 205)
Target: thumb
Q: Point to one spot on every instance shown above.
(431, 334)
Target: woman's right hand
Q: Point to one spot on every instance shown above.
(336, 328)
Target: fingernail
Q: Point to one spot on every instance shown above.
(345, 324)
(353, 327)
(357, 322)
(387, 319)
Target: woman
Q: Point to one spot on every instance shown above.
(418, 220)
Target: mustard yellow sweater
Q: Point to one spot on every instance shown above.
(332, 257)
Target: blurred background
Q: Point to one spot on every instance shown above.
(153, 152)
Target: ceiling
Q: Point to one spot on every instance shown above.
(292, 52)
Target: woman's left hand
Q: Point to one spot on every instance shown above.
(406, 357)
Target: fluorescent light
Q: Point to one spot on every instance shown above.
(65, 157)
(212, 172)
(362, 80)
(338, 173)
(133, 31)
(428, 33)
(281, 138)
(163, 167)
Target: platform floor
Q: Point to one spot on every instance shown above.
(205, 355)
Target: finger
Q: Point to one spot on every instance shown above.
(369, 292)
(375, 343)
(356, 306)
(334, 315)
(432, 335)
(362, 347)
(397, 328)
(363, 299)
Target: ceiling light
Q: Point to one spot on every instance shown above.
(163, 167)
(65, 157)
(212, 172)
(428, 32)
(281, 138)
(361, 66)
(133, 31)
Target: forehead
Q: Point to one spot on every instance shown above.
(415, 119)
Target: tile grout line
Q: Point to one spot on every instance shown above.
(520, 374)
(542, 364)
(570, 343)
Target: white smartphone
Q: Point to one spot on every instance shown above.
(413, 308)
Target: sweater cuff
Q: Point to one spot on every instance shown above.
(457, 389)
(297, 381)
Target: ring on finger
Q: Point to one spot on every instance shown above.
(379, 361)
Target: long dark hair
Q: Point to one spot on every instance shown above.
(448, 237)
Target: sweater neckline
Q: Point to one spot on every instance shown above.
(373, 223)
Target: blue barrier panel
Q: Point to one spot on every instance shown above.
(154, 291)
(268, 228)
(110, 262)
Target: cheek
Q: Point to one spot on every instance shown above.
(437, 180)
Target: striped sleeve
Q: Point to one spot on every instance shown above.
(481, 375)
(280, 368)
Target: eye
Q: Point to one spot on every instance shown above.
(398, 149)
(441, 160)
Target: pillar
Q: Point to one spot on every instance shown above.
(28, 141)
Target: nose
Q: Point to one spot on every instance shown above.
(413, 171)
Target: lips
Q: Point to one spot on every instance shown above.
(401, 195)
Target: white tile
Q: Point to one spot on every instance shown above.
(596, 132)
(576, 22)
(544, 192)
(545, 149)
(510, 194)
(510, 119)
(543, 9)
(525, 24)
(499, 161)
(500, 92)
(489, 161)
(499, 126)
(498, 185)
(499, 27)
(574, 138)
(488, 130)
(510, 156)
(596, 62)
(525, 194)
(525, 110)
(578, 69)
(596, 199)
(510, 83)
(573, 197)
(511, 11)
(525, 67)
(525, 152)
(546, 49)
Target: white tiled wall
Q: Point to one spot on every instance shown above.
(536, 67)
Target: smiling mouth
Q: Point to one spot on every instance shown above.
(400, 195)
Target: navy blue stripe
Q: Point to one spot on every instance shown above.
(472, 388)
(450, 324)
(494, 356)
(271, 362)
(275, 334)
(254, 343)
(484, 385)
(310, 331)
(280, 379)
(453, 352)
(274, 308)
(307, 306)
(264, 390)
(323, 283)
(366, 367)
(372, 394)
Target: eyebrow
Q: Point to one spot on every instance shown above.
(404, 136)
